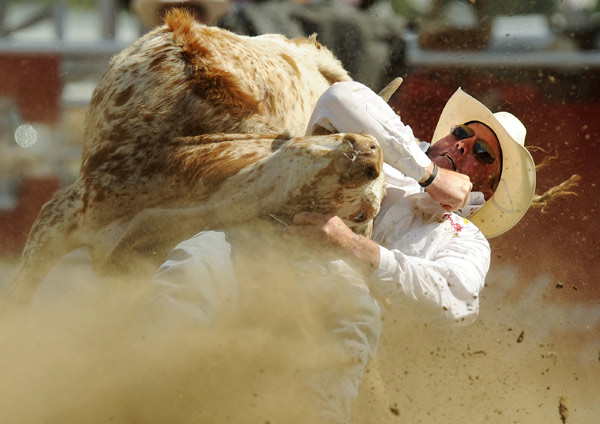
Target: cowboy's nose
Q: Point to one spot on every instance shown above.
(460, 146)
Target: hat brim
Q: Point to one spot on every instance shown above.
(516, 188)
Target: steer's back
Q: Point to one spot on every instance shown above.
(186, 79)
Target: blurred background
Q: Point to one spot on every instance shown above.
(538, 59)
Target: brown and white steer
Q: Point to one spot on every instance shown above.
(157, 167)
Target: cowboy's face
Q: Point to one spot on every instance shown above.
(472, 150)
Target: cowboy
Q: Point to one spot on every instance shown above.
(419, 248)
(421, 254)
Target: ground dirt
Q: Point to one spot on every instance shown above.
(527, 359)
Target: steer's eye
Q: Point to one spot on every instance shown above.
(360, 217)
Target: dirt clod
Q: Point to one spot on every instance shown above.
(563, 408)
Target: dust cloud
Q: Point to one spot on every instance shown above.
(89, 352)
(91, 361)
(99, 351)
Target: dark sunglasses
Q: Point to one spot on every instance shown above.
(481, 149)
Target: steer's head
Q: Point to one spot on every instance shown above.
(336, 174)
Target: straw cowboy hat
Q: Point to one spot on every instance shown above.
(148, 11)
(517, 182)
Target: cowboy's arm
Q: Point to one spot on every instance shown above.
(353, 107)
(447, 284)
(333, 232)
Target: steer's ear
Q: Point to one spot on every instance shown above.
(192, 37)
(390, 89)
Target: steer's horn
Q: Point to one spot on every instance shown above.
(390, 89)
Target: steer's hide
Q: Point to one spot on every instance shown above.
(157, 167)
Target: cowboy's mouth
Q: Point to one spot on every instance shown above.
(449, 159)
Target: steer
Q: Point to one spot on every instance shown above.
(194, 127)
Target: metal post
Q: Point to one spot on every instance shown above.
(60, 11)
(108, 12)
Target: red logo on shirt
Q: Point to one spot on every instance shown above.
(457, 227)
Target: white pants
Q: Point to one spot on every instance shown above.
(198, 282)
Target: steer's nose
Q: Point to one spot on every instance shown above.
(360, 160)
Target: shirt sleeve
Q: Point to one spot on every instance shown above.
(447, 284)
(353, 107)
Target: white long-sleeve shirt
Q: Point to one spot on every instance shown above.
(437, 259)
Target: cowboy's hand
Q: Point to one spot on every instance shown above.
(450, 189)
(332, 231)
(321, 229)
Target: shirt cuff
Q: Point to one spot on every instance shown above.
(385, 279)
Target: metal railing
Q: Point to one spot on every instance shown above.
(103, 44)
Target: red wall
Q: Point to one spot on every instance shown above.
(15, 224)
(33, 82)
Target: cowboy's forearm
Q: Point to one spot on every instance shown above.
(333, 232)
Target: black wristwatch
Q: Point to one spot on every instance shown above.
(429, 180)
